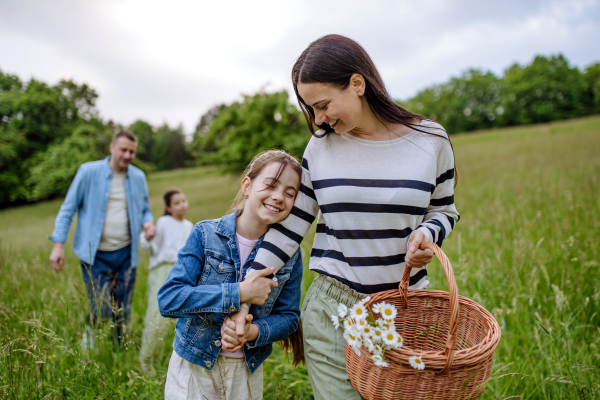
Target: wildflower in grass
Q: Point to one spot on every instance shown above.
(336, 321)
(390, 338)
(359, 311)
(379, 361)
(389, 312)
(342, 310)
(416, 362)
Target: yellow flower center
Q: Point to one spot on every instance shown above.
(358, 311)
(390, 336)
(352, 337)
(378, 333)
(388, 312)
(418, 361)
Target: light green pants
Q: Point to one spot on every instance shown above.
(155, 326)
(324, 346)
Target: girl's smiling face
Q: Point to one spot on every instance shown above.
(270, 200)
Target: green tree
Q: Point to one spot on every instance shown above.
(592, 93)
(241, 130)
(146, 136)
(169, 150)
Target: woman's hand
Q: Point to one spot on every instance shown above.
(415, 257)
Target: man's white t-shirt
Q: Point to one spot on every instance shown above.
(115, 233)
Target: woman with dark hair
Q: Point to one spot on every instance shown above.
(383, 181)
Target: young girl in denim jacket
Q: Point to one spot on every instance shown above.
(210, 361)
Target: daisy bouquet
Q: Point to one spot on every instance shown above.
(363, 328)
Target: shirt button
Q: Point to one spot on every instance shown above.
(232, 308)
(221, 266)
(253, 364)
(218, 343)
(233, 246)
(208, 363)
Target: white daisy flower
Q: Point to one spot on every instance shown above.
(359, 311)
(352, 338)
(416, 362)
(342, 310)
(390, 337)
(356, 350)
(379, 361)
(367, 331)
(385, 325)
(377, 334)
(369, 344)
(389, 312)
(365, 300)
(336, 321)
(361, 324)
(399, 342)
(348, 323)
(378, 308)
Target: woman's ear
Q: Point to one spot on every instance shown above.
(358, 84)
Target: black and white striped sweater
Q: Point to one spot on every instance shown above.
(369, 197)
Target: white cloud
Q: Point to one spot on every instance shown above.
(172, 61)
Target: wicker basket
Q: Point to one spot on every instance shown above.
(455, 336)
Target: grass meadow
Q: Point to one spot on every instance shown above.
(526, 248)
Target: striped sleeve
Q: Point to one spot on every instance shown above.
(441, 214)
(284, 238)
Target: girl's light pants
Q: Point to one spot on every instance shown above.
(155, 326)
(228, 380)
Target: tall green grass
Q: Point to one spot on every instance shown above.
(526, 248)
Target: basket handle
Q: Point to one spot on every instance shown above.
(451, 341)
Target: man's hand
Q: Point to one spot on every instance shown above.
(415, 257)
(256, 288)
(229, 337)
(149, 230)
(57, 257)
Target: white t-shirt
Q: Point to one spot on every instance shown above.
(115, 232)
(171, 235)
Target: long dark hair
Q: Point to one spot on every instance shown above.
(333, 59)
(167, 198)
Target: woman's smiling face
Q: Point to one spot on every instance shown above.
(340, 108)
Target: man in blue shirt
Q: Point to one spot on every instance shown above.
(111, 198)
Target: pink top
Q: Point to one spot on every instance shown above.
(245, 247)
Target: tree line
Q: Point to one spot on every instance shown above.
(47, 131)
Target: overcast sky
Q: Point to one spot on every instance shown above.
(172, 60)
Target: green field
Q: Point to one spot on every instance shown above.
(526, 248)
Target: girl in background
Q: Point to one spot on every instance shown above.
(172, 230)
(204, 286)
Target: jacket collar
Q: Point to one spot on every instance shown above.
(226, 226)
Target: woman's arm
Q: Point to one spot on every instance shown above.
(285, 314)
(182, 296)
(284, 238)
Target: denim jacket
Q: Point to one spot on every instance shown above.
(202, 289)
(88, 195)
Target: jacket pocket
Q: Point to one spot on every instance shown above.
(199, 327)
(217, 271)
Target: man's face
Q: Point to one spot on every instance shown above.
(123, 153)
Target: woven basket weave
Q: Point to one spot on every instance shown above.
(455, 336)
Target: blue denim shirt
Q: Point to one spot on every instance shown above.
(88, 195)
(202, 289)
